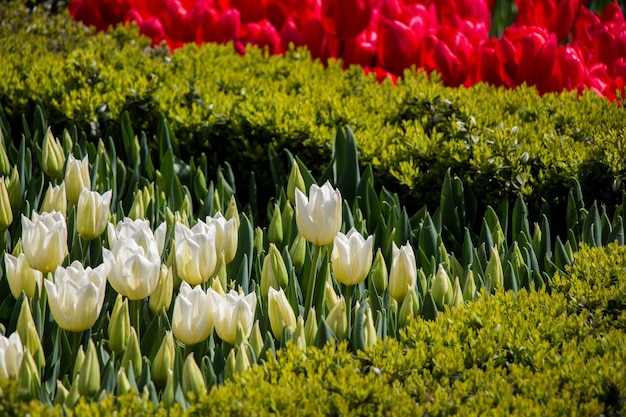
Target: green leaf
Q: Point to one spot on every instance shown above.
(429, 311)
(324, 334)
(519, 222)
(346, 165)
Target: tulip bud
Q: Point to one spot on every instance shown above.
(351, 257)
(123, 384)
(61, 395)
(217, 202)
(28, 334)
(274, 272)
(275, 231)
(319, 216)
(493, 271)
(337, 319)
(295, 181)
(310, 327)
(256, 339)
(5, 166)
(231, 362)
(138, 209)
(220, 272)
(132, 354)
(89, 383)
(193, 381)
(52, 155)
(409, 308)
(185, 207)
(6, 214)
(73, 395)
(216, 286)
(379, 274)
(422, 282)
(55, 199)
(441, 289)
(258, 240)
(13, 189)
(297, 251)
(164, 359)
(286, 219)
(330, 296)
(11, 353)
(168, 396)
(299, 335)
(119, 325)
(369, 330)
(242, 362)
(28, 376)
(21, 276)
(469, 289)
(93, 213)
(77, 177)
(161, 297)
(280, 313)
(457, 294)
(403, 271)
(232, 212)
(78, 363)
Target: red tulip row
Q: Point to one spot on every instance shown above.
(553, 45)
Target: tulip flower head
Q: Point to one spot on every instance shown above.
(194, 311)
(351, 257)
(21, 276)
(133, 263)
(76, 296)
(234, 310)
(11, 353)
(77, 177)
(280, 312)
(403, 271)
(6, 214)
(319, 216)
(55, 199)
(44, 240)
(226, 235)
(196, 257)
(93, 213)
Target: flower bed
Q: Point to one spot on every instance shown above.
(134, 280)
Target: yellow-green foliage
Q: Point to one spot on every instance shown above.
(528, 354)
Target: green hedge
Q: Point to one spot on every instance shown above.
(528, 354)
(500, 141)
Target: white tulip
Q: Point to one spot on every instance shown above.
(11, 353)
(196, 258)
(193, 317)
(280, 312)
(351, 257)
(77, 177)
(319, 217)
(93, 213)
(234, 310)
(44, 240)
(403, 272)
(21, 276)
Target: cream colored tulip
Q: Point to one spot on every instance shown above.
(194, 311)
(11, 353)
(76, 296)
(55, 199)
(403, 272)
(227, 235)
(77, 177)
(21, 276)
(44, 240)
(280, 313)
(93, 213)
(319, 216)
(351, 257)
(196, 257)
(234, 310)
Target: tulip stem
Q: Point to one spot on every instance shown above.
(349, 291)
(312, 276)
(135, 316)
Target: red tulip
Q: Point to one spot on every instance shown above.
(153, 28)
(491, 55)
(228, 26)
(250, 10)
(262, 34)
(290, 34)
(454, 12)
(205, 20)
(452, 55)
(569, 71)
(535, 52)
(398, 46)
(345, 19)
(555, 15)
